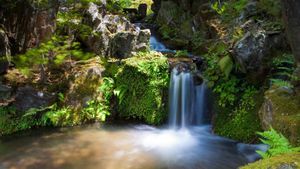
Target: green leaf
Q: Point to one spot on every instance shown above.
(226, 65)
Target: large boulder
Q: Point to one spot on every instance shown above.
(28, 97)
(27, 23)
(281, 111)
(253, 51)
(113, 35)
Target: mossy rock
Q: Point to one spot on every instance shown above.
(284, 161)
(281, 110)
(143, 82)
(84, 85)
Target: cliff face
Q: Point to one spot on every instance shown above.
(26, 24)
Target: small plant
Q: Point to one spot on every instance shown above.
(227, 91)
(218, 7)
(277, 142)
(181, 53)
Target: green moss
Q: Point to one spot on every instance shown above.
(240, 121)
(240, 125)
(142, 80)
(285, 113)
(290, 160)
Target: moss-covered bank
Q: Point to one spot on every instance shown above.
(290, 161)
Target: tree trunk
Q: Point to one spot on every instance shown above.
(291, 16)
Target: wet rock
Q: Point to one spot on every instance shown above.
(85, 85)
(28, 97)
(113, 35)
(280, 110)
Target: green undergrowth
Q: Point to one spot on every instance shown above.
(12, 121)
(140, 84)
(237, 101)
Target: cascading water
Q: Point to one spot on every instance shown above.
(186, 100)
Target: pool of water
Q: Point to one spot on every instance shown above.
(124, 147)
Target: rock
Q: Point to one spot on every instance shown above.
(252, 52)
(85, 85)
(27, 24)
(281, 110)
(122, 44)
(113, 35)
(143, 40)
(5, 92)
(4, 51)
(28, 97)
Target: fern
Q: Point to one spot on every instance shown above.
(277, 142)
(281, 83)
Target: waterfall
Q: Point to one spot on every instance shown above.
(186, 100)
(158, 46)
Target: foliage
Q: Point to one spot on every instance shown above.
(219, 63)
(218, 7)
(12, 121)
(181, 53)
(278, 144)
(227, 91)
(139, 86)
(167, 32)
(230, 9)
(283, 71)
(226, 65)
(239, 121)
(100, 108)
(237, 34)
(236, 99)
(54, 52)
(198, 39)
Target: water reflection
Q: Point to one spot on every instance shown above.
(114, 147)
